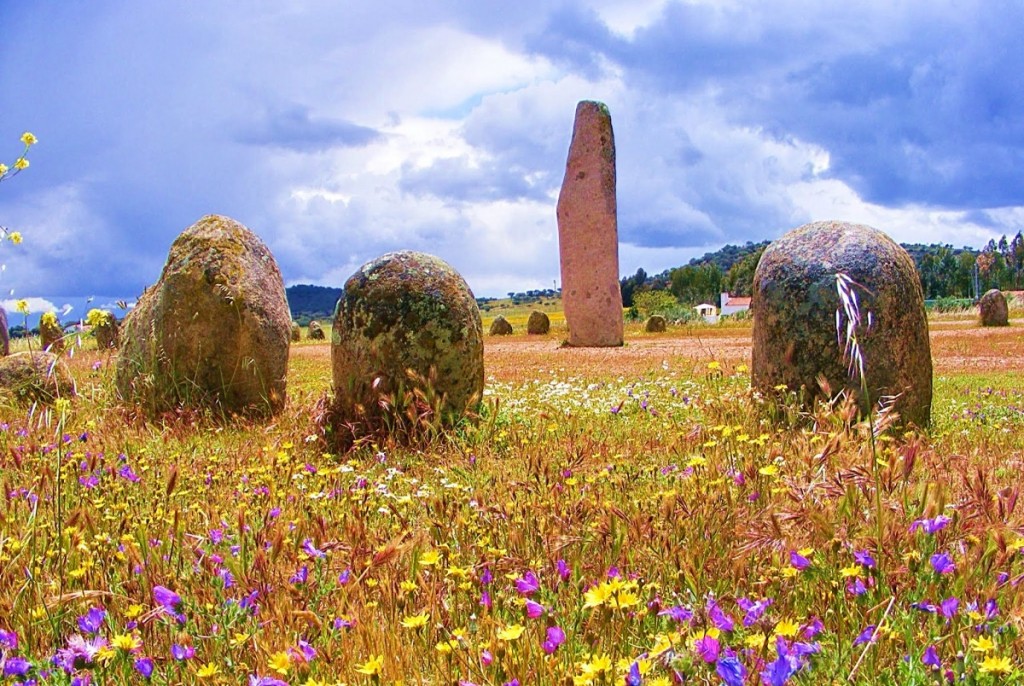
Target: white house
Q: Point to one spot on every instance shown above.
(731, 304)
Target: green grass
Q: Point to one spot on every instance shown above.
(652, 507)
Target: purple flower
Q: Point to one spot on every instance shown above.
(166, 598)
(256, 680)
(144, 666)
(722, 621)
(633, 676)
(486, 658)
(345, 576)
(514, 682)
(679, 613)
(731, 670)
(312, 550)
(856, 587)
(813, 628)
(300, 576)
(931, 658)
(865, 635)
(16, 666)
(125, 472)
(778, 671)
(930, 526)
(180, 652)
(563, 570)
(707, 648)
(942, 563)
(486, 577)
(485, 600)
(534, 609)
(863, 557)
(8, 640)
(949, 607)
(226, 577)
(555, 638)
(92, 620)
(79, 653)
(307, 651)
(798, 561)
(528, 584)
(754, 609)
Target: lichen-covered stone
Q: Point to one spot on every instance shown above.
(795, 301)
(400, 313)
(500, 327)
(588, 234)
(316, 331)
(656, 324)
(538, 324)
(296, 332)
(51, 333)
(5, 335)
(214, 330)
(35, 377)
(105, 328)
(993, 310)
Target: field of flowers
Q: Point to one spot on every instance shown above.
(641, 517)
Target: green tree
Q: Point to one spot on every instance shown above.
(694, 284)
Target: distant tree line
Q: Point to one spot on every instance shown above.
(945, 272)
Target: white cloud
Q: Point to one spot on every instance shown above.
(35, 306)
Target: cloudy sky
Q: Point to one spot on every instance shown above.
(338, 131)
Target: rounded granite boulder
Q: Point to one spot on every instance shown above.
(406, 322)
(36, 376)
(214, 330)
(656, 324)
(538, 324)
(800, 324)
(316, 331)
(296, 332)
(993, 310)
(51, 333)
(500, 327)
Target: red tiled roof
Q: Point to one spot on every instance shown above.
(736, 301)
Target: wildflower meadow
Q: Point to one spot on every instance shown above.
(628, 516)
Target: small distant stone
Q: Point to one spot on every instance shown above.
(500, 327)
(993, 309)
(296, 332)
(407, 326)
(538, 324)
(36, 376)
(656, 324)
(213, 331)
(51, 333)
(795, 301)
(105, 327)
(5, 335)
(316, 331)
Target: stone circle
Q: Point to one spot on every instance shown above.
(993, 310)
(316, 331)
(500, 327)
(36, 376)
(656, 324)
(538, 324)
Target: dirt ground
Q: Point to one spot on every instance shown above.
(957, 347)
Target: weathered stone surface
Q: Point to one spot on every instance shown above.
(993, 310)
(538, 324)
(406, 312)
(5, 335)
(106, 328)
(51, 333)
(500, 327)
(296, 332)
(214, 329)
(656, 324)
(795, 302)
(588, 235)
(316, 331)
(35, 377)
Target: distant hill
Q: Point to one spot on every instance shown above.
(311, 302)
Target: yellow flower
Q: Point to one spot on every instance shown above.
(995, 665)
(430, 558)
(3, 168)
(408, 586)
(21, 306)
(15, 236)
(982, 644)
(28, 139)
(713, 365)
(21, 163)
(126, 642)
(511, 633)
(372, 666)
(238, 639)
(786, 628)
(852, 570)
(755, 641)
(416, 621)
(624, 599)
(208, 670)
(280, 662)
